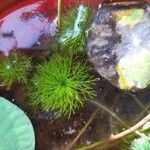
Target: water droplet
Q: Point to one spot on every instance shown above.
(7, 66)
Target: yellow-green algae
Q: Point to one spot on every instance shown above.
(134, 70)
(129, 17)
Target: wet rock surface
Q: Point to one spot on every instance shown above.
(119, 44)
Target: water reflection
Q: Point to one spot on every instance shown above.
(26, 23)
(25, 27)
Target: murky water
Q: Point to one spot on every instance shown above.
(29, 25)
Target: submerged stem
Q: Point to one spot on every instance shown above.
(70, 146)
(111, 113)
(142, 113)
(120, 135)
(138, 102)
(59, 12)
(132, 129)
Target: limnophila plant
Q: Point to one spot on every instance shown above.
(60, 84)
(74, 31)
(14, 68)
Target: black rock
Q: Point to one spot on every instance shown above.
(119, 44)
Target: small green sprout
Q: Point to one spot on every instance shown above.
(60, 84)
(14, 68)
(75, 29)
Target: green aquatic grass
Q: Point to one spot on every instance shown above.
(74, 31)
(60, 84)
(14, 68)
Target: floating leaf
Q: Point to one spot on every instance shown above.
(16, 131)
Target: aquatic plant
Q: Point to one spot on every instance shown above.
(60, 84)
(132, 142)
(74, 32)
(16, 131)
(14, 68)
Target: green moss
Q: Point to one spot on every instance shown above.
(74, 32)
(60, 84)
(14, 68)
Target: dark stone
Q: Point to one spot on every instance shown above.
(118, 33)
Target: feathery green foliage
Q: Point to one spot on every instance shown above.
(60, 84)
(14, 68)
(74, 32)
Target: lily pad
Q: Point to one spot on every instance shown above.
(16, 131)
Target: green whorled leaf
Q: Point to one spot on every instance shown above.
(16, 131)
(61, 84)
(140, 144)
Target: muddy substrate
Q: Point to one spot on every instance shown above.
(56, 133)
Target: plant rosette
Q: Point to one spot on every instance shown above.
(14, 68)
(60, 84)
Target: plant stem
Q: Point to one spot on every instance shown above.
(103, 144)
(138, 102)
(142, 113)
(120, 135)
(59, 12)
(111, 113)
(146, 119)
(131, 129)
(70, 146)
